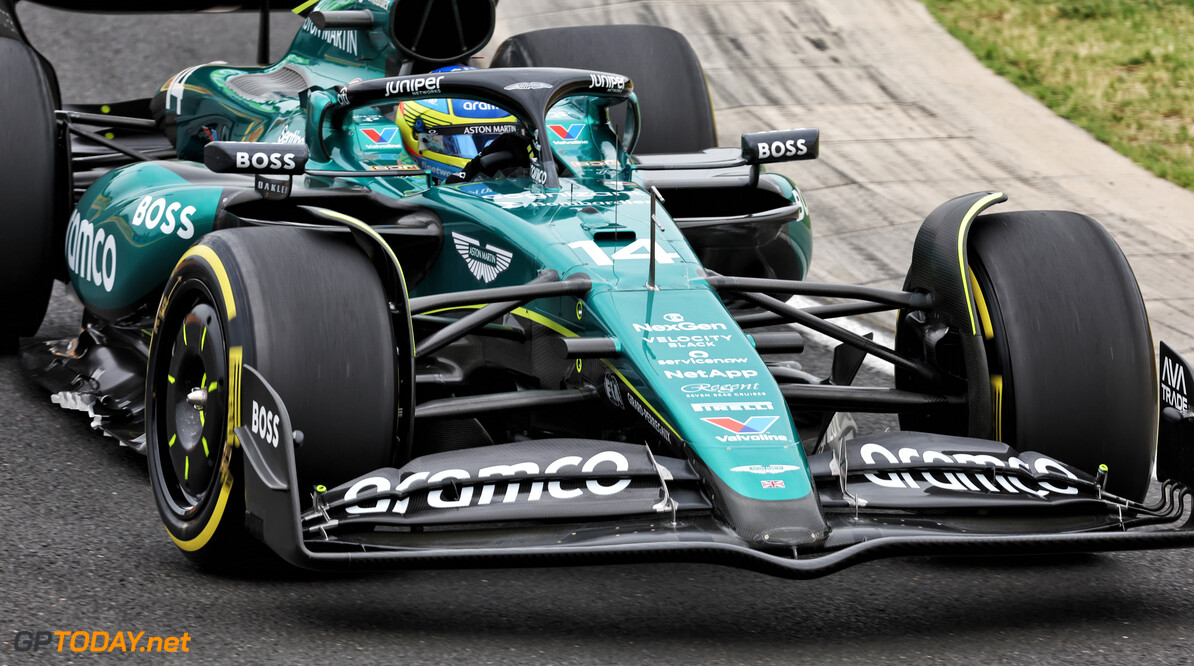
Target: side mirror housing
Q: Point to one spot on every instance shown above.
(252, 157)
(781, 145)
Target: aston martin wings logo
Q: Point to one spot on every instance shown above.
(485, 263)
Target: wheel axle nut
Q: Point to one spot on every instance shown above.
(197, 398)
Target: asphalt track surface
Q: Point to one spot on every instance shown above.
(909, 121)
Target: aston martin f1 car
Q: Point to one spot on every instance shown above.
(374, 308)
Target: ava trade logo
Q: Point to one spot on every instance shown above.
(567, 132)
(752, 430)
(382, 137)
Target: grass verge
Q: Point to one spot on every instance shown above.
(1121, 69)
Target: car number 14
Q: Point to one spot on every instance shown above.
(639, 249)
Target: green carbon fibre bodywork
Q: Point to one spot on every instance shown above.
(685, 364)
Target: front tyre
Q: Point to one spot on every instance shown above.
(1068, 351)
(1068, 344)
(307, 311)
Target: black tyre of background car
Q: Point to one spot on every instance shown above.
(676, 113)
(308, 311)
(31, 195)
(1070, 344)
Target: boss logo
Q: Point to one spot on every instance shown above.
(780, 145)
(255, 158)
(789, 148)
(262, 161)
(171, 215)
(265, 424)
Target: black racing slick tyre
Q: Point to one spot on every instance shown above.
(30, 191)
(676, 113)
(308, 312)
(1068, 344)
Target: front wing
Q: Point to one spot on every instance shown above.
(576, 502)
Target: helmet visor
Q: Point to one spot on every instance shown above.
(463, 141)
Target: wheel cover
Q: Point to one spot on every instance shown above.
(191, 416)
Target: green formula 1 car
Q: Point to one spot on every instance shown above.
(375, 308)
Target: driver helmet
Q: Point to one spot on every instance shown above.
(444, 134)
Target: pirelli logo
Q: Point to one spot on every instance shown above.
(732, 406)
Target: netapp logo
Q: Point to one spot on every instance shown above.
(710, 374)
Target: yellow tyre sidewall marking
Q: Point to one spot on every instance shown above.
(988, 331)
(962, 229)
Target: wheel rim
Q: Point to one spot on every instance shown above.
(191, 416)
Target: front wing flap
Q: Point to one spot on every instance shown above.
(533, 480)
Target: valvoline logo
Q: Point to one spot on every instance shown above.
(752, 426)
(567, 132)
(382, 137)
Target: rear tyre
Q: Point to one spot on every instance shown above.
(1068, 344)
(676, 114)
(30, 196)
(308, 312)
